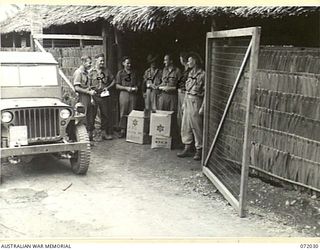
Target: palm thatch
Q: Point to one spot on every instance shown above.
(138, 17)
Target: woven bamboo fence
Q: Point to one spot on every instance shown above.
(286, 119)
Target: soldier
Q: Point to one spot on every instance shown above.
(182, 88)
(128, 84)
(102, 82)
(168, 99)
(151, 81)
(192, 120)
(81, 82)
(170, 76)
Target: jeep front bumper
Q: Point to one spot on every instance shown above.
(42, 149)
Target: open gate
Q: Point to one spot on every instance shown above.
(231, 63)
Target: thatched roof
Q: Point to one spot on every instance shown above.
(137, 17)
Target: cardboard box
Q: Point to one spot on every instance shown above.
(159, 141)
(138, 127)
(160, 123)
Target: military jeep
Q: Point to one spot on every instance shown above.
(34, 117)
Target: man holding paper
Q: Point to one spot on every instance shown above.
(102, 81)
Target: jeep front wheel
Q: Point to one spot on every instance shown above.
(81, 159)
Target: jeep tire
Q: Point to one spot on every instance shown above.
(81, 160)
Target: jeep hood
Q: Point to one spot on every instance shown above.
(31, 103)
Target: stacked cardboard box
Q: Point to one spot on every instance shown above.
(160, 129)
(138, 127)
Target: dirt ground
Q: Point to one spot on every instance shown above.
(132, 191)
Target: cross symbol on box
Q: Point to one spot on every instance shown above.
(134, 122)
(160, 128)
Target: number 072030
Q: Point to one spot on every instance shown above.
(313, 246)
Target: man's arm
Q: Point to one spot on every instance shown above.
(117, 82)
(77, 85)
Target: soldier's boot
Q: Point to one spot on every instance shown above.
(106, 136)
(197, 156)
(122, 133)
(186, 152)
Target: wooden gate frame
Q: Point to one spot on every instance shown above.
(253, 50)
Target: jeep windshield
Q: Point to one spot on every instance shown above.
(28, 75)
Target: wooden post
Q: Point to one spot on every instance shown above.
(23, 42)
(248, 120)
(52, 41)
(36, 27)
(207, 90)
(31, 42)
(118, 41)
(105, 43)
(13, 40)
(81, 32)
(206, 97)
(111, 64)
(213, 24)
(112, 61)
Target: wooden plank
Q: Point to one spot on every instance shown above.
(52, 41)
(13, 40)
(249, 114)
(63, 76)
(32, 46)
(37, 43)
(222, 189)
(67, 37)
(81, 31)
(232, 33)
(228, 103)
(104, 33)
(206, 97)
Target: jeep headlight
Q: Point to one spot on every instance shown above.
(65, 113)
(6, 117)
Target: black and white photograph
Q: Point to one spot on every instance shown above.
(159, 123)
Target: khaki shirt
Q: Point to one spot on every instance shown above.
(152, 77)
(195, 83)
(101, 78)
(183, 79)
(81, 77)
(171, 77)
(127, 79)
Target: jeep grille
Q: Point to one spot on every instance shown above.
(42, 123)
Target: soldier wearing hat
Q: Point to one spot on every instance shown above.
(192, 120)
(182, 88)
(151, 82)
(168, 98)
